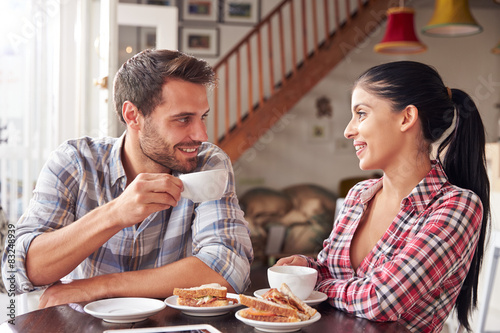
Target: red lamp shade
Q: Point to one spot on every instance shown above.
(400, 37)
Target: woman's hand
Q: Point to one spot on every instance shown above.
(294, 260)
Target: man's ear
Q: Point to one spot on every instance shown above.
(131, 115)
(409, 117)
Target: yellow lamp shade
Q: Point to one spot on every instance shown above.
(452, 18)
(400, 37)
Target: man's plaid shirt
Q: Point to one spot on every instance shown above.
(86, 173)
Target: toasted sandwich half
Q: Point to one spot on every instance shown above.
(206, 295)
(276, 306)
(264, 310)
(285, 296)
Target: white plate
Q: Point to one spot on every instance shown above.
(316, 297)
(203, 311)
(278, 327)
(125, 309)
(165, 329)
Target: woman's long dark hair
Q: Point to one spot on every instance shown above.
(406, 83)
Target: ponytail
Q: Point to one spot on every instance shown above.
(465, 165)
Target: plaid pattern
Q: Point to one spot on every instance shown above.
(86, 173)
(415, 271)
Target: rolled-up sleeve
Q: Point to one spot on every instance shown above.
(221, 236)
(50, 208)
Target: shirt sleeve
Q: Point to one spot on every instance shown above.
(221, 235)
(443, 245)
(51, 208)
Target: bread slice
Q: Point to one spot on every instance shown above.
(296, 302)
(203, 301)
(269, 307)
(276, 296)
(249, 313)
(211, 289)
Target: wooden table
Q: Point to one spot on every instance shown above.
(72, 318)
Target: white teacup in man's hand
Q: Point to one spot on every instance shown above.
(204, 185)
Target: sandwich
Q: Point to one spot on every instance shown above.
(264, 310)
(285, 296)
(207, 295)
(276, 306)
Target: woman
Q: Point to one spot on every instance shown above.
(409, 246)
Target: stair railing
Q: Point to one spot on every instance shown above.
(270, 54)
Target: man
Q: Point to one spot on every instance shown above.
(107, 218)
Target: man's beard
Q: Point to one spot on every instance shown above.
(157, 150)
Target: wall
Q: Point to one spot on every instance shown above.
(230, 33)
(285, 155)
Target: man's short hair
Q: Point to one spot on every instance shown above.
(140, 79)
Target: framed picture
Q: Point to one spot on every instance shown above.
(200, 41)
(199, 10)
(161, 2)
(241, 11)
(318, 131)
(147, 38)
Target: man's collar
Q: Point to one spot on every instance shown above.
(116, 166)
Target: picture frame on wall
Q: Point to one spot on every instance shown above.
(200, 10)
(160, 2)
(147, 38)
(241, 11)
(318, 131)
(199, 41)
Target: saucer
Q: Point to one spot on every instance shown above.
(174, 329)
(124, 309)
(316, 297)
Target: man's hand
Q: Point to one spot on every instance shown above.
(66, 292)
(53, 255)
(141, 283)
(146, 194)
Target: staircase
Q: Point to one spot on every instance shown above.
(280, 60)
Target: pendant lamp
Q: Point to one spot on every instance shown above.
(452, 18)
(400, 37)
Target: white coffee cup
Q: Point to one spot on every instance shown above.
(204, 185)
(300, 279)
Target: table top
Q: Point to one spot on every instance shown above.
(72, 318)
